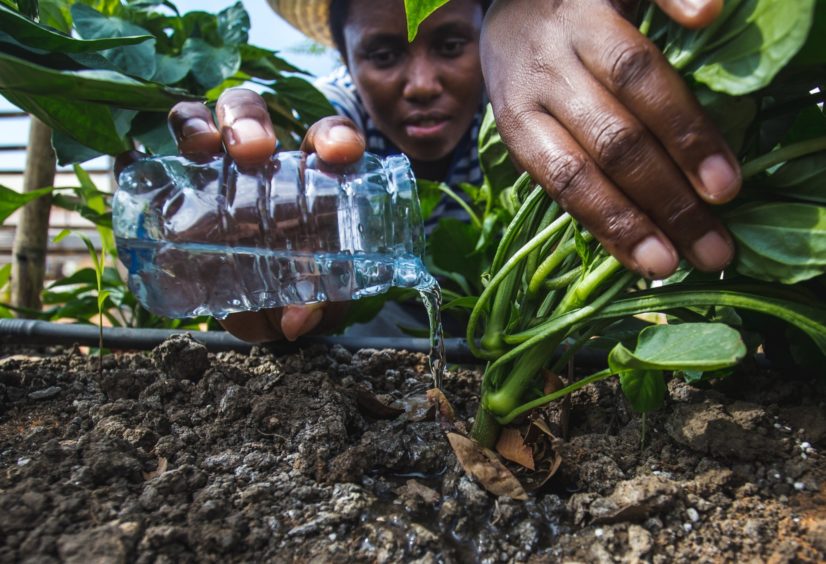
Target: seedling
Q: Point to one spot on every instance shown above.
(98, 262)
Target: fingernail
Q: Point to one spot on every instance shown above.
(692, 7)
(654, 259)
(341, 134)
(247, 130)
(718, 177)
(712, 251)
(193, 127)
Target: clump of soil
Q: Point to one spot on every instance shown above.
(180, 455)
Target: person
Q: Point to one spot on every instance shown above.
(584, 102)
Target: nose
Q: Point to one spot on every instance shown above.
(423, 82)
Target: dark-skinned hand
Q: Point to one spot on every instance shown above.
(245, 131)
(594, 112)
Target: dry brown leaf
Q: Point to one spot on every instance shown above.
(485, 466)
(438, 397)
(373, 407)
(161, 468)
(512, 446)
(553, 383)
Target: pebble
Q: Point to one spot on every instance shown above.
(598, 533)
(687, 527)
(799, 486)
(46, 393)
(692, 514)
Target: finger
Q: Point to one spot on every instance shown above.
(124, 159)
(634, 70)
(299, 320)
(548, 152)
(254, 326)
(692, 13)
(638, 165)
(245, 126)
(336, 140)
(194, 131)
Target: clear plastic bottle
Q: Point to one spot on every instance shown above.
(213, 238)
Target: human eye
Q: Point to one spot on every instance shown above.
(383, 57)
(452, 47)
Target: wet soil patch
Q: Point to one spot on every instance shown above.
(183, 456)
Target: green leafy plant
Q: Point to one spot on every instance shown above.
(760, 75)
(104, 73)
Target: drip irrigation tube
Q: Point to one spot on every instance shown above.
(35, 332)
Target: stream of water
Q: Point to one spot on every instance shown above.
(432, 298)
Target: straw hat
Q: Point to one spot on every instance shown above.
(310, 17)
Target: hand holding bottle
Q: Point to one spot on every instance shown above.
(245, 131)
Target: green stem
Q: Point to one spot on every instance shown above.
(563, 279)
(513, 414)
(515, 226)
(485, 429)
(580, 293)
(520, 379)
(567, 320)
(578, 344)
(808, 318)
(512, 263)
(645, 26)
(552, 262)
(477, 223)
(780, 156)
(491, 340)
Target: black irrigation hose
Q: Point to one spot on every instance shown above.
(35, 332)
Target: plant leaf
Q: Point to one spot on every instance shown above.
(778, 241)
(41, 37)
(303, 98)
(134, 60)
(802, 179)
(645, 389)
(169, 69)
(234, 25)
(695, 346)
(493, 155)
(754, 43)
(263, 63)
(417, 12)
(733, 115)
(94, 86)
(92, 125)
(29, 8)
(62, 235)
(12, 200)
(452, 245)
(211, 65)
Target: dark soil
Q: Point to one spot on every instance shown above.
(183, 456)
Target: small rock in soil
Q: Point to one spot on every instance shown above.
(181, 357)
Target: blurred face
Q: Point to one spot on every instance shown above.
(421, 95)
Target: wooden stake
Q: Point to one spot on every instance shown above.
(32, 236)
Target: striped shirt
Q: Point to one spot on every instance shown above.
(339, 89)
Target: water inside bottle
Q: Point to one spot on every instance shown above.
(190, 279)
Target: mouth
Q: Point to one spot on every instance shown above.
(425, 125)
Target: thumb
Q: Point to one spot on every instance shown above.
(300, 320)
(691, 13)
